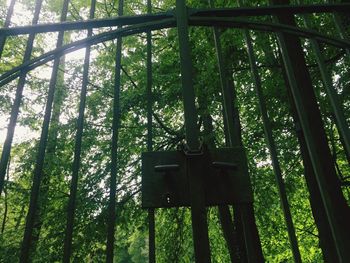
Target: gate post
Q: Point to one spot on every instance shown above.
(198, 210)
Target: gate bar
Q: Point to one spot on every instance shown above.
(77, 150)
(166, 23)
(38, 170)
(6, 24)
(151, 211)
(341, 30)
(270, 10)
(198, 210)
(193, 12)
(269, 27)
(6, 150)
(244, 211)
(322, 164)
(114, 146)
(336, 231)
(85, 24)
(225, 216)
(66, 49)
(321, 220)
(272, 146)
(333, 96)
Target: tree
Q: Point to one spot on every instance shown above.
(173, 226)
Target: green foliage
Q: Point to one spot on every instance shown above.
(173, 226)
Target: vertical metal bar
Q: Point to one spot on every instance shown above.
(334, 202)
(319, 213)
(151, 211)
(341, 30)
(312, 149)
(151, 236)
(77, 149)
(234, 244)
(5, 200)
(149, 84)
(6, 24)
(192, 134)
(224, 213)
(272, 147)
(198, 210)
(245, 211)
(27, 238)
(17, 102)
(340, 119)
(114, 147)
(229, 232)
(342, 33)
(227, 94)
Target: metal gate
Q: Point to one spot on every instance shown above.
(198, 175)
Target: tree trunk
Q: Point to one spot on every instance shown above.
(318, 211)
(336, 208)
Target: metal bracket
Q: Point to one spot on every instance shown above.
(165, 177)
(224, 165)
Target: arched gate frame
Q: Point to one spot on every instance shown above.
(333, 203)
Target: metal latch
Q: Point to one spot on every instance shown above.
(166, 168)
(225, 165)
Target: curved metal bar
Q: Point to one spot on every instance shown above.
(6, 24)
(106, 36)
(170, 22)
(86, 24)
(209, 12)
(270, 27)
(271, 10)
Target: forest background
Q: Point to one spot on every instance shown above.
(173, 226)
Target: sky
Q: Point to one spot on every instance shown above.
(21, 17)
